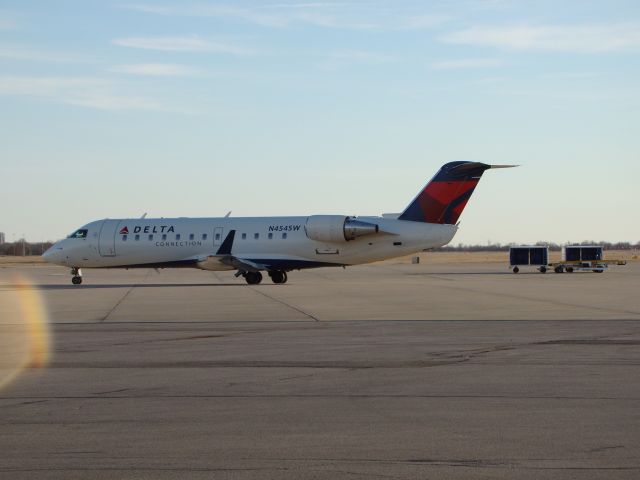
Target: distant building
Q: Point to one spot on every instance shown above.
(1, 238)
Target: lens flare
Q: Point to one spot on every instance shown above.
(24, 329)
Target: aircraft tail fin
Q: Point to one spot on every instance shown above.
(446, 195)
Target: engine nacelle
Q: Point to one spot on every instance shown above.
(337, 228)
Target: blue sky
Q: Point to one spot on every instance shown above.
(113, 109)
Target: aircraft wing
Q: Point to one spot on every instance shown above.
(224, 256)
(211, 262)
(243, 264)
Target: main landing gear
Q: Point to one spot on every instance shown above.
(254, 278)
(77, 276)
(278, 276)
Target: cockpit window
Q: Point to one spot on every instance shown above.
(82, 233)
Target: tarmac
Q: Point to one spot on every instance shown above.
(377, 371)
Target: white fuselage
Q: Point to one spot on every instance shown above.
(278, 242)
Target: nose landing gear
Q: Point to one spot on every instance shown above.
(77, 276)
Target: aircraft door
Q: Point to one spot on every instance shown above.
(107, 239)
(217, 236)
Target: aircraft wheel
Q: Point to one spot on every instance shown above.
(285, 277)
(558, 269)
(569, 269)
(76, 280)
(543, 269)
(516, 269)
(253, 278)
(278, 276)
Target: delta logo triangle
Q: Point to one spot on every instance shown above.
(124, 230)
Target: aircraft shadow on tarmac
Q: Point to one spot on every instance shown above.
(131, 285)
(468, 273)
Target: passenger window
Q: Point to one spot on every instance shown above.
(270, 235)
(137, 237)
(284, 236)
(256, 236)
(177, 236)
(164, 236)
(124, 238)
(150, 237)
(204, 236)
(191, 236)
(244, 236)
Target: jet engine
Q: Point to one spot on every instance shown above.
(337, 228)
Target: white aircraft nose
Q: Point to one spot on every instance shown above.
(52, 255)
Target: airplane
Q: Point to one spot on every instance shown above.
(275, 245)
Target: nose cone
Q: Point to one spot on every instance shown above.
(53, 254)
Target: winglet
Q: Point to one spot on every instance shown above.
(225, 248)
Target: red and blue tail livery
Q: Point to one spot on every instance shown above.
(445, 196)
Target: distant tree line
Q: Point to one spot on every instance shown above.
(30, 248)
(20, 248)
(499, 247)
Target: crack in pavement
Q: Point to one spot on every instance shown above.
(282, 302)
(119, 302)
(364, 396)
